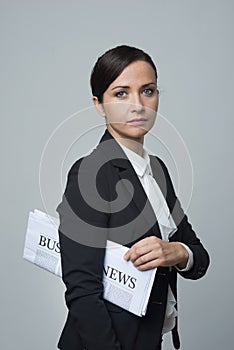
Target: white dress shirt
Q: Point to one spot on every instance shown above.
(166, 223)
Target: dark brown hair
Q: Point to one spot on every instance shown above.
(111, 64)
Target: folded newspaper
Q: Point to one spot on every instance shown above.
(124, 285)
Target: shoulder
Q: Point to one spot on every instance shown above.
(89, 163)
(85, 193)
(88, 176)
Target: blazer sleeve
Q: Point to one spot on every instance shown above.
(185, 232)
(83, 232)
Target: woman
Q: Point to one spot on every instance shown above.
(121, 193)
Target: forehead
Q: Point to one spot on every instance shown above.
(138, 72)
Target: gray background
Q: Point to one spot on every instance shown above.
(47, 51)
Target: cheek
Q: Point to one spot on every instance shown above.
(153, 104)
(116, 111)
(151, 110)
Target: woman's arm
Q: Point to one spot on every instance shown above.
(82, 266)
(153, 252)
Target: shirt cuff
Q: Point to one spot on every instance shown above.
(190, 259)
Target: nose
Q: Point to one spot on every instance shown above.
(136, 102)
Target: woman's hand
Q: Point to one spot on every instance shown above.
(153, 252)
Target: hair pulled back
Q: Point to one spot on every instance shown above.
(111, 64)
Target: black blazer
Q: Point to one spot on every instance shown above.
(111, 204)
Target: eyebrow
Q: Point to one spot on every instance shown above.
(127, 87)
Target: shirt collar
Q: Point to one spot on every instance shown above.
(139, 163)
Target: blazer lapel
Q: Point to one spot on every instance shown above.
(126, 172)
(158, 174)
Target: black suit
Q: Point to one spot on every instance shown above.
(93, 323)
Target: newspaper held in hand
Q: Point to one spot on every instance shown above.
(124, 285)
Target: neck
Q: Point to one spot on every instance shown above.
(134, 144)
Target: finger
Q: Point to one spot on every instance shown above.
(142, 247)
(146, 258)
(137, 251)
(150, 265)
(127, 255)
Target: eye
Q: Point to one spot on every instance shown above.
(148, 92)
(120, 94)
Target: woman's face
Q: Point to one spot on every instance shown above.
(131, 101)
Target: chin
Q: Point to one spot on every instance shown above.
(135, 133)
(132, 132)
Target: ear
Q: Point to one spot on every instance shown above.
(98, 106)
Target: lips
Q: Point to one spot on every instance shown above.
(137, 120)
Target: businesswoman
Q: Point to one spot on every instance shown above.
(122, 193)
